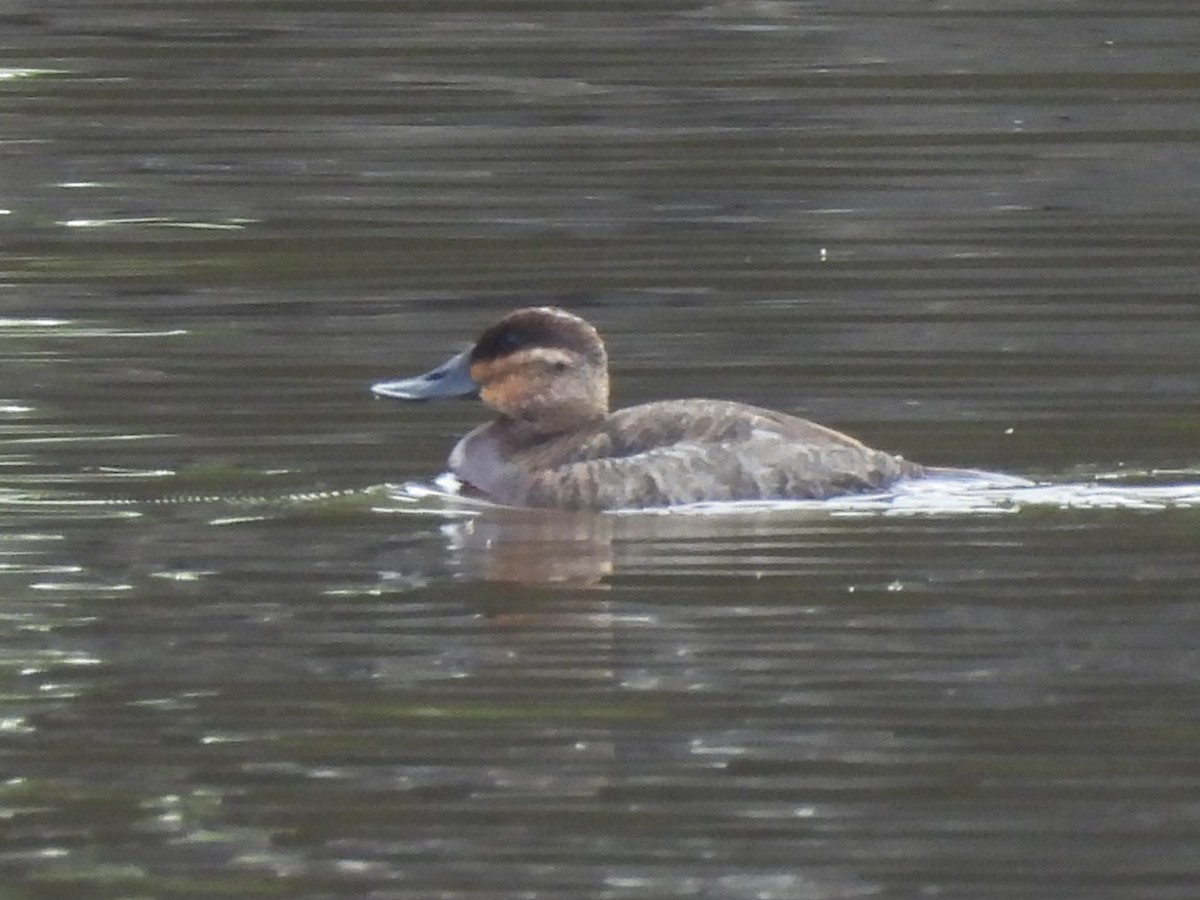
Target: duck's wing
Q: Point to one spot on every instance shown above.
(665, 454)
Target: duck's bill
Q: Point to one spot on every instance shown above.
(451, 379)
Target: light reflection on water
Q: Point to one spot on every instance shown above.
(500, 544)
(234, 661)
(336, 701)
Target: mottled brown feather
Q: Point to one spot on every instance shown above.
(673, 452)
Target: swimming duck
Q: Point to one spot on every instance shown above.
(554, 443)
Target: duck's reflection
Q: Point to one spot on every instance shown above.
(575, 630)
(505, 545)
(533, 547)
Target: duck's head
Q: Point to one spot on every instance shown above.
(541, 367)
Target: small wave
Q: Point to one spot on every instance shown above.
(956, 492)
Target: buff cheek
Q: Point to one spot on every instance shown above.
(510, 384)
(482, 372)
(509, 392)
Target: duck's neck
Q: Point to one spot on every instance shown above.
(548, 424)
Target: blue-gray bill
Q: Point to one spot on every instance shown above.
(451, 379)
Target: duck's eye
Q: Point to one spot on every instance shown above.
(511, 341)
(559, 365)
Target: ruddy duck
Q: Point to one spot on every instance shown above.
(555, 444)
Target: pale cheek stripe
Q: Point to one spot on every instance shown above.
(506, 366)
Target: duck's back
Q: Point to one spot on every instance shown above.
(674, 452)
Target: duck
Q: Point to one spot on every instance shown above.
(554, 443)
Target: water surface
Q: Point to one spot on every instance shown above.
(235, 662)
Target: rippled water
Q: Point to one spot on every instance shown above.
(248, 648)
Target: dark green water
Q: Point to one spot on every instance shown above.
(965, 232)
